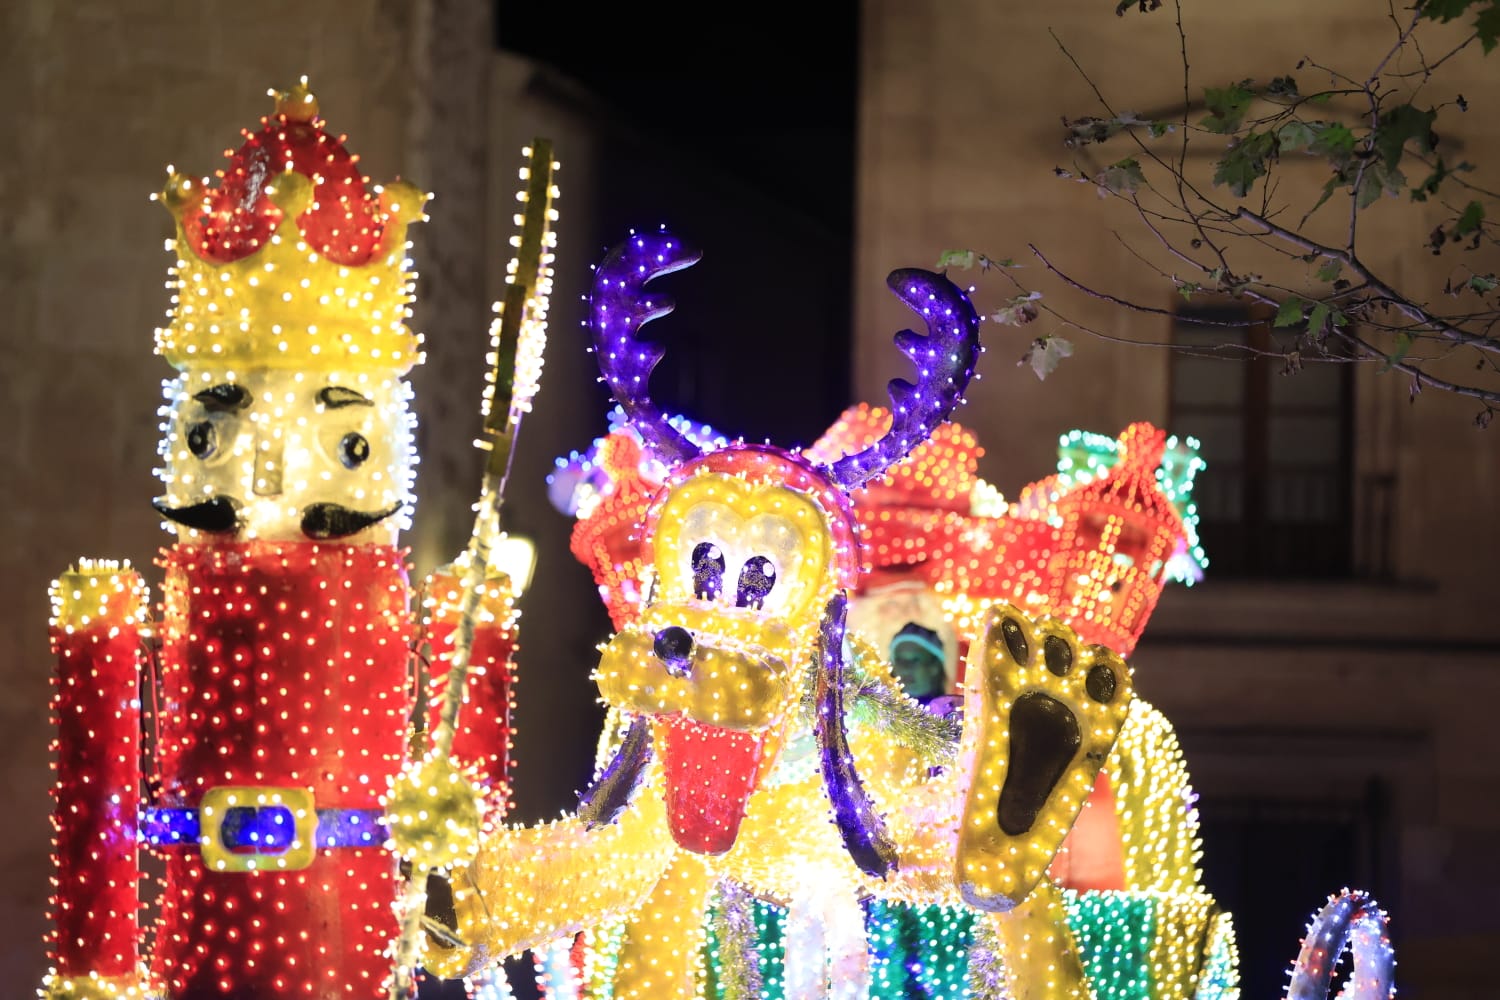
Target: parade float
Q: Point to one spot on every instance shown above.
(318, 752)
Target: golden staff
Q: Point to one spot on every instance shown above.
(517, 339)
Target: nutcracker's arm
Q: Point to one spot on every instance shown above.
(482, 736)
(99, 616)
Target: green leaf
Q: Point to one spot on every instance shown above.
(1045, 353)
(1295, 135)
(1243, 165)
(1227, 106)
(962, 259)
(1487, 27)
(1082, 131)
(1018, 311)
(1159, 129)
(1403, 345)
(1283, 86)
(1398, 126)
(1482, 283)
(1333, 184)
(1329, 270)
(1316, 319)
(1439, 174)
(1187, 289)
(1468, 222)
(1290, 313)
(1122, 178)
(1486, 22)
(1375, 180)
(1444, 10)
(1333, 140)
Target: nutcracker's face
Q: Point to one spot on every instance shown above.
(286, 455)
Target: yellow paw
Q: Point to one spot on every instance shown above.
(1044, 710)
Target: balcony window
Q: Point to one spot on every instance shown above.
(1275, 499)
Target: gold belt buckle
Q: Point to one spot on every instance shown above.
(247, 828)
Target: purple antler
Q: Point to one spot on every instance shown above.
(945, 362)
(618, 307)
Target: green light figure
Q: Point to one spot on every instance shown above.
(917, 662)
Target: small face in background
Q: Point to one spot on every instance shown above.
(286, 455)
(917, 662)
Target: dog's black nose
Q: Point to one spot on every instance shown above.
(674, 647)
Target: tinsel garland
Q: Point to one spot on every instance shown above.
(738, 954)
(986, 967)
(872, 699)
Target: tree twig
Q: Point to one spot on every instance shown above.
(1409, 308)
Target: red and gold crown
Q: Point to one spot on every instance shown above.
(1093, 555)
(294, 260)
(914, 515)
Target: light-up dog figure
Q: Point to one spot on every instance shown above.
(736, 673)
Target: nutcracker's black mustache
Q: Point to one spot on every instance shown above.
(216, 514)
(320, 521)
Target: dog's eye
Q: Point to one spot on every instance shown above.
(708, 571)
(756, 580)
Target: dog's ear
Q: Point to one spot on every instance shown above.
(859, 822)
(615, 786)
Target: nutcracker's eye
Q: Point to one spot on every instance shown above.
(756, 580)
(708, 571)
(353, 450)
(336, 397)
(223, 398)
(202, 439)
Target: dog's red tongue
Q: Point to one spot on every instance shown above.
(710, 774)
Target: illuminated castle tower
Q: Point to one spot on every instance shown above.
(280, 687)
(1107, 562)
(1094, 547)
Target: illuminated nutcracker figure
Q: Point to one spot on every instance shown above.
(286, 622)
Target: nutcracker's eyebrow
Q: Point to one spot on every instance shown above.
(335, 396)
(223, 398)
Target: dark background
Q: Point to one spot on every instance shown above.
(739, 136)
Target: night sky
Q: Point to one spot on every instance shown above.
(768, 97)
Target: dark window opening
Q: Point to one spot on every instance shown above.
(1275, 498)
(1273, 864)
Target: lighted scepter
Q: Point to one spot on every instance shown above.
(434, 812)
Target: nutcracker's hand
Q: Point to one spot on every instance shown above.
(434, 812)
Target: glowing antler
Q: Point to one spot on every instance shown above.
(618, 307)
(945, 360)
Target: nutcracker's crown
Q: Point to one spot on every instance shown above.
(295, 260)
